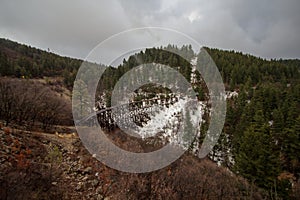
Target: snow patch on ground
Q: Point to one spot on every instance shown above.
(168, 121)
(194, 65)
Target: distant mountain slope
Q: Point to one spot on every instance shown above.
(20, 60)
(237, 68)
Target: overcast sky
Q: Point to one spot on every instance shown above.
(265, 28)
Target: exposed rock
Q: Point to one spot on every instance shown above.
(94, 182)
(85, 178)
(88, 170)
(100, 197)
(54, 183)
(99, 190)
(79, 187)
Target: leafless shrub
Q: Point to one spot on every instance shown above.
(28, 102)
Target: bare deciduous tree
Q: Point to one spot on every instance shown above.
(28, 102)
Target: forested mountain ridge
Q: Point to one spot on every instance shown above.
(18, 60)
(236, 68)
(261, 137)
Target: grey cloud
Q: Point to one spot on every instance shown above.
(273, 26)
(266, 28)
(67, 27)
(257, 17)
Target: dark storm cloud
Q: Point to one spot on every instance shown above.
(69, 27)
(266, 28)
(272, 26)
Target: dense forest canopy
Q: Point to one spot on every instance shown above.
(261, 137)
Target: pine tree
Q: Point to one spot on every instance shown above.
(255, 159)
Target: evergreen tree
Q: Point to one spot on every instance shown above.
(255, 159)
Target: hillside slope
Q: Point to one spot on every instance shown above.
(36, 165)
(260, 139)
